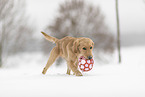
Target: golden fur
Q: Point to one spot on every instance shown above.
(71, 49)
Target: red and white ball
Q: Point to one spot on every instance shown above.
(85, 64)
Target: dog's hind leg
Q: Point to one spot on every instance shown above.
(53, 56)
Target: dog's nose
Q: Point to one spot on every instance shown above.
(89, 57)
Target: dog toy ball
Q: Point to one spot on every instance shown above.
(85, 64)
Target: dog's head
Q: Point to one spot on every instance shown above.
(84, 47)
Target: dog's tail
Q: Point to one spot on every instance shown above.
(49, 38)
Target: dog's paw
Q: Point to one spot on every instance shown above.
(79, 74)
(68, 73)
(44, 71)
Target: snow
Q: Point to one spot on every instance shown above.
(111, 80)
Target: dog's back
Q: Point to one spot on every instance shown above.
(64, 44)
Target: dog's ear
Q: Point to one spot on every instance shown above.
(75, 46)
(92, 43)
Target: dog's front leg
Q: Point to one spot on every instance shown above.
(68, 70)
(76, 65)
(74, 68)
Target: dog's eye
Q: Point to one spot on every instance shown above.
(90, 47)
(84, 48)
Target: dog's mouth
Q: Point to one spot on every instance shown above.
(82, 57)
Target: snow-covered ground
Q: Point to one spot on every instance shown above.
(111, 80)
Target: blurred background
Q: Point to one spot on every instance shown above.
(22, 21)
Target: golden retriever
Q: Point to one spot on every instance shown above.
(71, 49)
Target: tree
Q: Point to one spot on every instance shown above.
(15, 30)
(118, 32)
(79, 19)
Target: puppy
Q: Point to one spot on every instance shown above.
(71, 49)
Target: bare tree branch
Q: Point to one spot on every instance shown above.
(15, 30)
